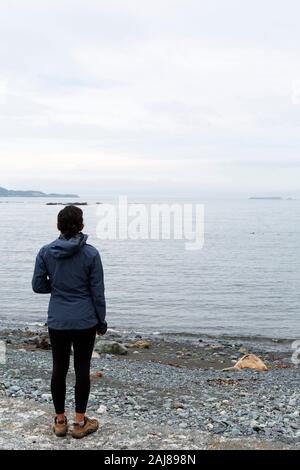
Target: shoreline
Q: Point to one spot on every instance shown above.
(169, 387)
(265, 341)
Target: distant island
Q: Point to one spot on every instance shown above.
(11, 193)
(269, 198)
(66, 204)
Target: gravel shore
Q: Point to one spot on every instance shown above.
(166, 392)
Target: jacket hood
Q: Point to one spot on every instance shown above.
(63, 248)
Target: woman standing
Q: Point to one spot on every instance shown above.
(71, 271)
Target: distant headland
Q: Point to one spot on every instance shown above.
(11, 193)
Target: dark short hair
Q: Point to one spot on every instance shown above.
(70, 221)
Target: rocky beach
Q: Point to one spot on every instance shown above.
(155, 391)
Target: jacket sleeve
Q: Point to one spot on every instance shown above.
(40, 281)
(97, 292)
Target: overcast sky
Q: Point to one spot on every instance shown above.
(160, 96)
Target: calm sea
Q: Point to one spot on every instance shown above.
(245, 281)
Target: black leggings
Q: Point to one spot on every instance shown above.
(83, 345)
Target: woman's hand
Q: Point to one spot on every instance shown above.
(101, 330)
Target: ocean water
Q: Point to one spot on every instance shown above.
(244, 282)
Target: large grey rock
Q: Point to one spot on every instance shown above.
(110, 347)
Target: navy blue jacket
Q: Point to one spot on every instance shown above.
(71, 271)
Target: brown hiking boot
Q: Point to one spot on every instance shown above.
(60, 428)
(90, 426)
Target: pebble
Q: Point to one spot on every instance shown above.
(177, 404)
(46, 396)
(243, 350)
(102, 409)
(183, 425)
(14, 373)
